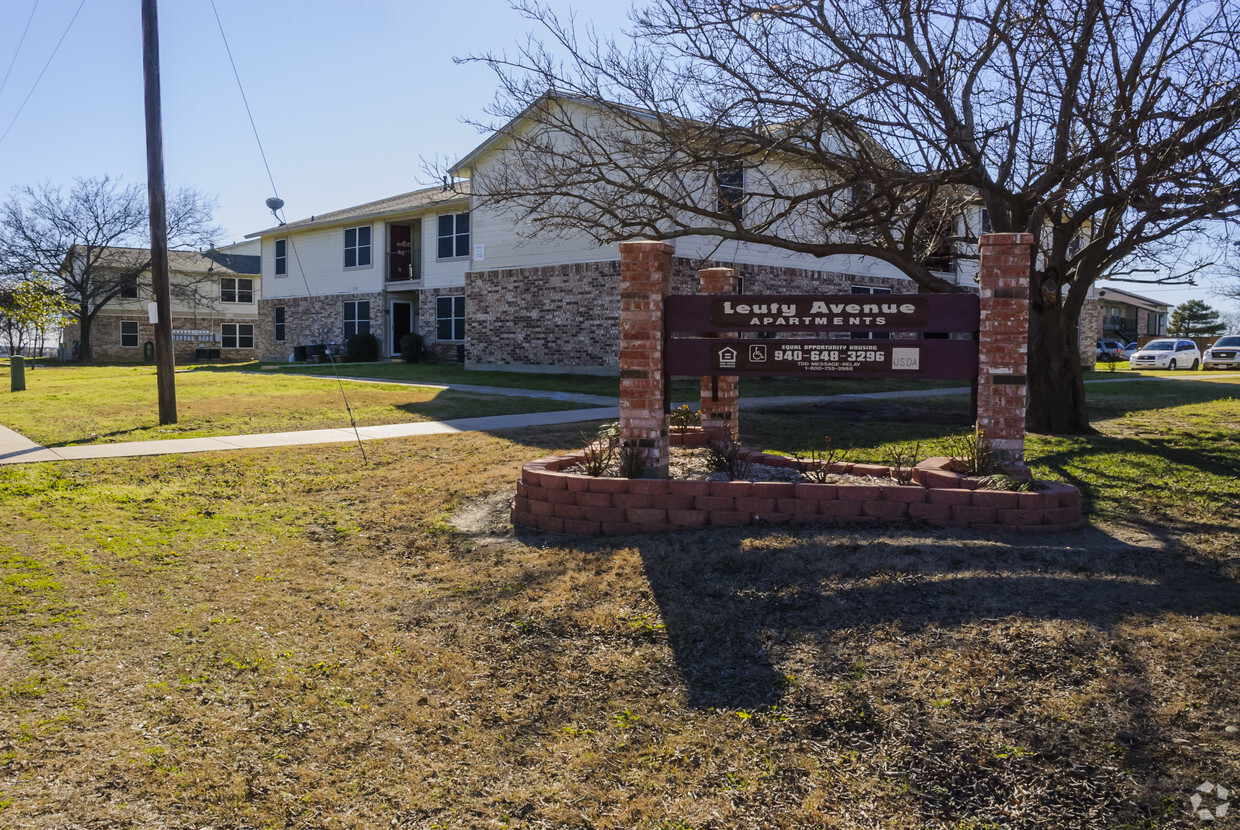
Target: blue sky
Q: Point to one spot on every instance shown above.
(348, 97)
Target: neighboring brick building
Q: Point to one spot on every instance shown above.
(214, 304)
(1125, 316)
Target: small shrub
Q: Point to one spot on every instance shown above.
(411, 346)
(1110, 359)
(972, 454)
(1004, 482)
(362, 348)
(632, 464)
(684, 418)
(600, 454)
(902, 458)
(816, 464)
(726, 456)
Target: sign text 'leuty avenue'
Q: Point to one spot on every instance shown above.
(902, 312)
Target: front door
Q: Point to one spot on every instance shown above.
(402, 323)
(400, 238)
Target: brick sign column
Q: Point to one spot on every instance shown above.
(719, 394)
(1003, 343)
(644, 276)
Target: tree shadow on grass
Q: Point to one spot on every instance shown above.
(724, 600)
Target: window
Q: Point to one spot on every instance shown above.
(730, 177)
(357, 247)
(129, 287)
(450, 318)
(237, 335)
(236, 290)
(278, 324)
(870, 335)
(453, 235)
(986, 226)
(356, 318)
(281, 257)
(129, 335)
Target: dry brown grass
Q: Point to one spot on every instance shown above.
(288, 639)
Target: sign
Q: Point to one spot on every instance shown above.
(821, 313)
(890, 313)
(801, 357)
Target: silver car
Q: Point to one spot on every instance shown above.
(1166, 354)
(1224, 354)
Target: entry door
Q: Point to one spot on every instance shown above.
(400, 238)
(402, 323)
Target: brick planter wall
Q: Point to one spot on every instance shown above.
(552, 500)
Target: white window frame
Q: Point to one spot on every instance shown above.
(281, 258)
(237, 335)
(359, 249)
(242, 290)
(450, 309)
(881, 290)
(354, 318)
(458, 239)
(730, 194)
(135, 334)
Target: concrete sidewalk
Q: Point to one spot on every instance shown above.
(17, 449)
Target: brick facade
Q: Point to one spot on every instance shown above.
(569, 315)
(310, 320)
(644, 285)
(1003, 340)
(105, 337)
(1089, 330)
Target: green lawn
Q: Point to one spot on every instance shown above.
(297, 638)
(682, 388)
(66, 405)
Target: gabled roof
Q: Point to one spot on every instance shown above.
(1118, 296)
(429, 197)
(183, 262)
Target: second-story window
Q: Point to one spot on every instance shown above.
(453, 235)
(281, 257)
(236, 290)
(129, 287)
(730, 176)
(357, 247)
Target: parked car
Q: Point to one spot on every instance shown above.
(1166, 354)
(1109, 348)
(1224, 354)
(1130, 350)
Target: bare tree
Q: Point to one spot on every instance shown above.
(105, 226)
(1105, 128)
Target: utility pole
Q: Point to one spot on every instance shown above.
(165, 365)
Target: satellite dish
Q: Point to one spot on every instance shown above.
(275, 203)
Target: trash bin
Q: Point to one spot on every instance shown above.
(299, 354)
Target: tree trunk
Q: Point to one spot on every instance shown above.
(1056, 387)
(84, 321)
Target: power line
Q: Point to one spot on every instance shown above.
(18, 50)
(275, 212)
(45, 66)
(244, 100)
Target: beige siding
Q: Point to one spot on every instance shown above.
(319, 255)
